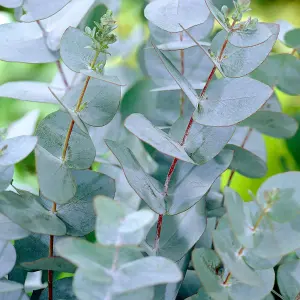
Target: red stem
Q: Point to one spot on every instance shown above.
(187, 131)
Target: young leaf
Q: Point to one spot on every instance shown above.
(190, 183)
(203, 143)
(29, 91)
(229, 101)
(206, 264)
(239, 62)
(246, 163)
(16, 149)
(279, 194)
(25, 43)
(100, 102)
(248, 38)
(35, 10)
(168, 14)
(180, 232)
(228, 248)
(217, 14)
(10, 230)
(144, 130)
(7, 257)
(74, 51)
(26, 211)
(150, 190)
(275, 124)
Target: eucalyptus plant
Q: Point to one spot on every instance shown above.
(129, 202)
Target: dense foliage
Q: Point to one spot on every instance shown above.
(130, 204)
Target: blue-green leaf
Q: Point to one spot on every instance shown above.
(23, 42)
(26, 211)
(144, 130)
(280, 196)
(100, 102)
(149, 189)
(282, 71)
(62, 289)
(190, 183)
(180, 232)
(275, 124)
(288, 279)
(15, 149)
(35, 10)
(29, 91)
(203, 142)
(78, 214)
(74, 51)
(168, 14)
(229, 101)
(246, 163)
(7, 257)
(238, 62)
(52, 132)
(10, 230)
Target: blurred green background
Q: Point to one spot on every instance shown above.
(283, 155)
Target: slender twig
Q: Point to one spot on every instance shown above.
(62, 74)
(58, 64)
(242, 146)
(187, 131)
(182, 72)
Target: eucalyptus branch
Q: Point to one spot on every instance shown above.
(187, 131)
(256, 225)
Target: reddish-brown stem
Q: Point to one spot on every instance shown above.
(158, 231)
(182, 72)
(51, 253)
(175, 160)
(294, 51)
(242, 146)
(62, 74)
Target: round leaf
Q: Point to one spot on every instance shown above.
(16, 149)
(26, 211)
(229, 101)
(74, 51)
(168, 14)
